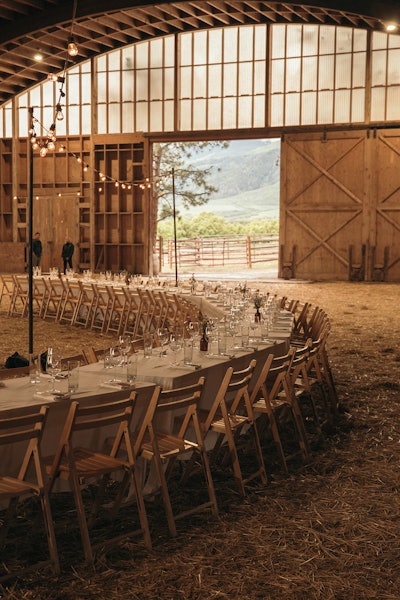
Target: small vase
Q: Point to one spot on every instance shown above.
(203, 343)
(257, 316)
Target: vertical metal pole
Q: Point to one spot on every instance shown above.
(30, 230)
(175, 244)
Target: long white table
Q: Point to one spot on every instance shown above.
(19, 396)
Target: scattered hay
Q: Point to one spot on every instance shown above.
(328, 531)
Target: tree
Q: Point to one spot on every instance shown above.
(191, 186)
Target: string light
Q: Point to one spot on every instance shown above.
(49, 144)
(123, 185)
(72, 48)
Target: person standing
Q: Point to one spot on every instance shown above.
(67, 253)
(36, 250)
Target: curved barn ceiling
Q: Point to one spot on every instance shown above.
(31, 26)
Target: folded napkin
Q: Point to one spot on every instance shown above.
(117, 385)
(278, 335)
(191, 367)
(49, 397)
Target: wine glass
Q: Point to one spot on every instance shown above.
(53, 365)
(175, 343)
(192, 328)
(163, 338)
(125, 344)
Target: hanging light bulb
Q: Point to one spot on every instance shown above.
(72, 47)
(43, 151)
(60, 115)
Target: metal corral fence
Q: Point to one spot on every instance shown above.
(218, 251)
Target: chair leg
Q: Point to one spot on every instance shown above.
(83, 526)
(165, 495)
(144, 524)
(51, 538)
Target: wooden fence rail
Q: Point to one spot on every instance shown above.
(218, 251)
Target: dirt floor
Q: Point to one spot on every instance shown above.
(330, 530)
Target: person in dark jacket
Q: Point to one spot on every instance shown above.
(67, 253)
(36, 250)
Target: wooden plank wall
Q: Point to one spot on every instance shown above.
(12, 257)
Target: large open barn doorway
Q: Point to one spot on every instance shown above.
(226, 200)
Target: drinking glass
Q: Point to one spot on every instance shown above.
(73, 375)
(53, 364)
(175, 343)
(125, 344)
(188, 351)
(192, 328)
(131, 369)
(163, 338)
(147, 344)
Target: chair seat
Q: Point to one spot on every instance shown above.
(235, 421)
(11, 487)
(169, 446)
(88, 464)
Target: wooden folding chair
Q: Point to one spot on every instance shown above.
(131, 317)
(308, 384)
(230, 415)
(54, 298)
(20, 298)
(70, 305)
(6, 288)
(320, 368)
(28, 482)
(116, 319)
(78, 463)
(273, 392)
(163, 448)
(101, 307)
(85, 312)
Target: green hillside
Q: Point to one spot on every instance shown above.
(246, 174)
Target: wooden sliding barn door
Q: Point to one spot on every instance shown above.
(56, 218)
(385, 191)
(340, 198)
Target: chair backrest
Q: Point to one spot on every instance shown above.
(183, 401)
(28, 429)
(274, 377)
(298, 368)
(6, 286)
(232, 393)
(93, 355)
